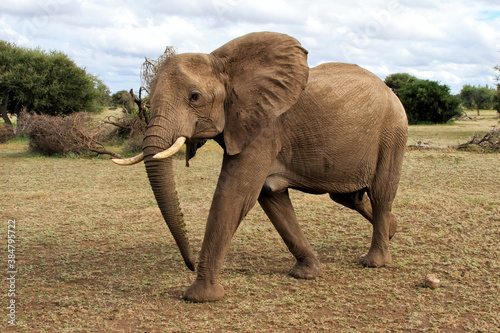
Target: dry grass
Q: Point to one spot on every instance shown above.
(457, 132)
(95, 256)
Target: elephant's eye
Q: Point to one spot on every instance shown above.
(194, 96)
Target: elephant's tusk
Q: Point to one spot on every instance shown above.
(129, 161)
(172, 150)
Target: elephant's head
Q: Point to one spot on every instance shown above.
(236, 91)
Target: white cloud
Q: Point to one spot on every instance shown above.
(454, 42)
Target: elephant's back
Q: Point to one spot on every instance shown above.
(344, 81)
(344, 115)
(341, 72)
(353, 91)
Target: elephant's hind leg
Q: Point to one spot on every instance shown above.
(360, 202)
(382, 193)
(279, 209)
(357, 201)
(379, 254)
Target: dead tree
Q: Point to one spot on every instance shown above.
(134, 126)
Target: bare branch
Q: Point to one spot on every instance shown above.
(150, 67)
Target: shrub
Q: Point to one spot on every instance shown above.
(428, 101)
(6, 132)
(133, 144)
(127, 127)
(50, 135)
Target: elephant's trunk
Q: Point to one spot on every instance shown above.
(161, 177)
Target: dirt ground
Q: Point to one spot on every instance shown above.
(92, 252)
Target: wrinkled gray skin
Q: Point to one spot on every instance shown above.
(335, 129)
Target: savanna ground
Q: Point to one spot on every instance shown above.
(94, 255)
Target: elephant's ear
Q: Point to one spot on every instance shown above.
(266, 73)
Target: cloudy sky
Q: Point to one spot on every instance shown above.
(454, 42)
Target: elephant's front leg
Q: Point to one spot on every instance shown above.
(238, 188)
(279, 209)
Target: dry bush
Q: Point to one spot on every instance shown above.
(132, 127)
(150, 67)
(76, 133)
(127, 127)
(6, 132)
(133, 144)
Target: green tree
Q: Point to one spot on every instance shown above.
(7, 80)
(46, 82)
(102, 91)
(496, 99)
(398, 81)
(496, 96)
(428, 101)
(124, 99)
(476, 97)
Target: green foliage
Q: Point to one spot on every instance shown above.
(477, 97)
(496, 99)
(428, 101)
(496, 95)
(102, 92)
(398, 81)
(124, 99)
(47, 82)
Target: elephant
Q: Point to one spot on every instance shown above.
(333, 129)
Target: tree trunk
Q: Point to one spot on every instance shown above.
(3, 109)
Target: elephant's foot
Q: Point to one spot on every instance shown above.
(376, 258)
(204, 291)
(306, 269)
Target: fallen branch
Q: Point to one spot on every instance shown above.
(105, 152)
(490, 141)
(120, 122)
(465, 117)
(426, 146)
